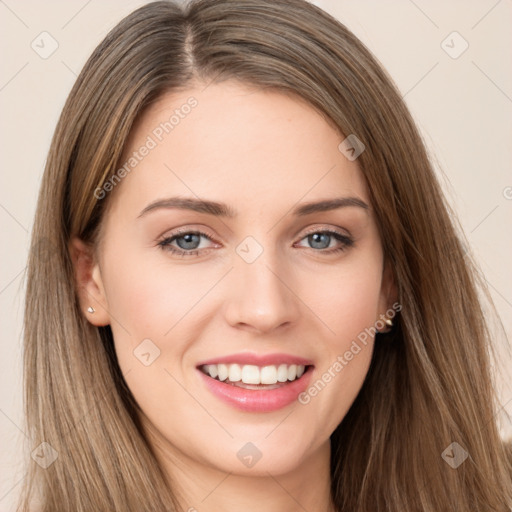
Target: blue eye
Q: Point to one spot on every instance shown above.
(322, 240)
(188, 242)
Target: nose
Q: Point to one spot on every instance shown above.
(261, 295)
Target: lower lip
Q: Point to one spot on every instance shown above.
(258, 400)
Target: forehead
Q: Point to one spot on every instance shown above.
(237, 144)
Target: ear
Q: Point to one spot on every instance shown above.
(388, 291)
(88, 282)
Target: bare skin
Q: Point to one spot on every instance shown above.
(263, 154)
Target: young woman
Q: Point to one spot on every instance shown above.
(245, 289)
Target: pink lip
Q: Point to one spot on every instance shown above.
(258, 360)
(258, 400)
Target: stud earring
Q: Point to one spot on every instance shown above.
(90, 309)
(389, 323)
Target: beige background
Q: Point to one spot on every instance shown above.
(462, 105)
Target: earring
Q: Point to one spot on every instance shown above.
(90, 309)
(389, 323)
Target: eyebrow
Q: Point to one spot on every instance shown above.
(223, 210)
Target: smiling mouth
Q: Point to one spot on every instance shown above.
(255, 377)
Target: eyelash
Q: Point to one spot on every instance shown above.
(164, 244)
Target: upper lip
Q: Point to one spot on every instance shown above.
(258, 359)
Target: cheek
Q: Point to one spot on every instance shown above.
(151, 309)
(149, 299)
(154, 309)
(349, 307)
(346, 299)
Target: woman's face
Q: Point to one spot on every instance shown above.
(272, 283)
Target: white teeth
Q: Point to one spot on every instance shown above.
(212, 370)
(282, 373)
(268, 375)
(251, 374)
(222, 371)
(235, 373)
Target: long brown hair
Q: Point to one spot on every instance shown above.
(429, 384)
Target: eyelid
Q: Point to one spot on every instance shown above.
(316, 229)
(184, 230)
(205, 232)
